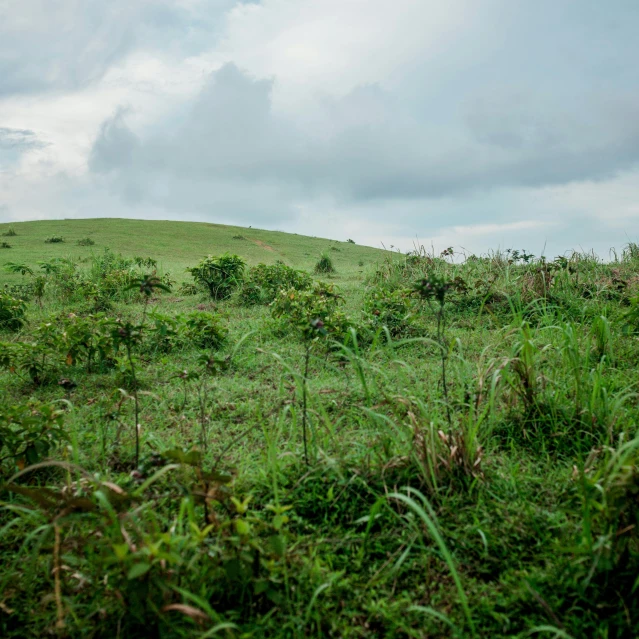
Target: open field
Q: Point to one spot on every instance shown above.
(451, 452)
(175, 245)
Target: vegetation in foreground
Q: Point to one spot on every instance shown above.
(421, 447)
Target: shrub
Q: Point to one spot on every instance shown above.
(264, 282)
(54, 239)
(37, 360)
(5, 245)
(22, 292)
(146, 262)
(188, 289)
(394, 309)
(203, 329)
(163, 333)
(29, 431)
(325, 264)
(220, 276)
(349, 241)
(300, 308)
(86, 241)
(12, 311)
(86, 340)
(174, 575)
(10, 232)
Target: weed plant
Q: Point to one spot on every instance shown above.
(440, 447)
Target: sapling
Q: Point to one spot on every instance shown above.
(311, 333)
(130, 335)
(435, 287)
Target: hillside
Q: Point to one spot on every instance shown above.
(406, 447)
(175, 245)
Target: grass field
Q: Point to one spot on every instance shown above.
(452, 451)
(175, 245)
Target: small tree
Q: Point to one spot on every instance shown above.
(220, 276)
(325, 264)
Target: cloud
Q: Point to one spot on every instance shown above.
(60, 45)
(19, 139)
(15, 142)
(443, 120)
(364, 146)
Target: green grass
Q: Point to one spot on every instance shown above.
(506, 507)
(175, 245)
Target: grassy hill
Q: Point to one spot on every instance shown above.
(452, 450)
(175, 245)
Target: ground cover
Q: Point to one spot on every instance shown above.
(398, 445)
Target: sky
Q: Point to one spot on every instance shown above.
(478, 125)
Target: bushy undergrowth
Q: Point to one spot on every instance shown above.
(12, 312)
(174, 468)
(219, 276)
(263, 282)
(298, 309)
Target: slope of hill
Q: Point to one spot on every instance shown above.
(175, 245)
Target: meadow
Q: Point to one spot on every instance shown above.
(219, 431)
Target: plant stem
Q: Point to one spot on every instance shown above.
(137, 408)
(306, 360)
(444, 351)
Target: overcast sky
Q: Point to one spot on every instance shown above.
(477, 124)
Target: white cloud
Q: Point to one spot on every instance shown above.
(458, 122)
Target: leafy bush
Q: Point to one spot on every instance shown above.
(349, 241)
(86, 241)
(10, 232)
(204, 329)
(631, 317)
(220, 276)
(263, 282)
(324, 265)
(86, 340)
(5, 245)
(164, 332)
(175, 573)
(37, 360)
(300, 309)
(393, 308)
(28, 432)
(12, 312)
(22, 292)
(188, 289)
(54, 239)
(146, 262)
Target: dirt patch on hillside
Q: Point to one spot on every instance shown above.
(263, 245)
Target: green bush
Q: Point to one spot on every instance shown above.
(322, 302)
(22, 292)
(28, 432)
(263, 282)
(174, 574)
(393, 308)
(324, 265)
(163, 333)
(219, 276)
(37, 360)
(86, 241)
(203, 329)
(10, 232)
(54, 239)
(188, 289)
(12, 312)
(5, 245)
